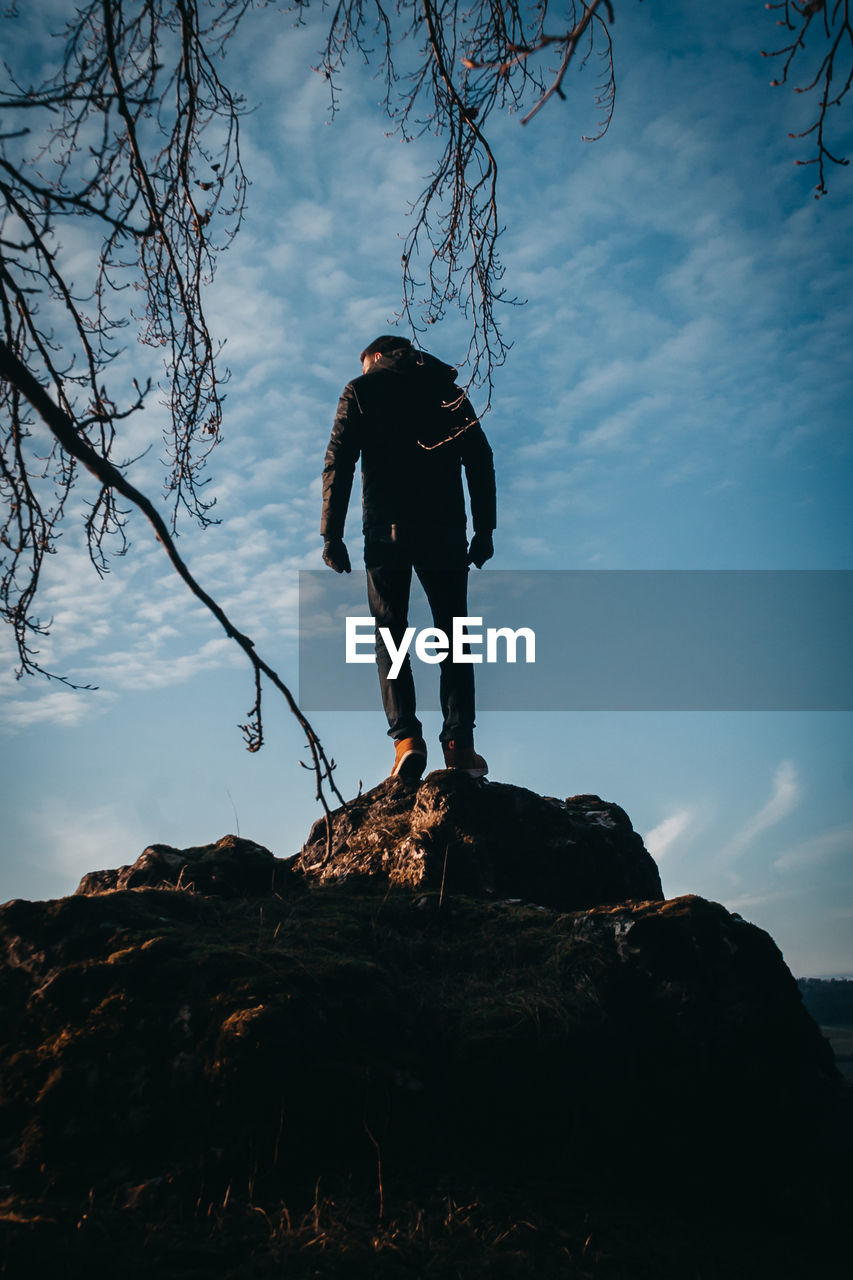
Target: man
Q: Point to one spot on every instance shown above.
(414, 432)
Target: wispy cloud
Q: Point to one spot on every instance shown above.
(749, 902)
(661, 838)
(143, 668)
(112, 838)
(820, 848)
(59, 707)
(784, 796)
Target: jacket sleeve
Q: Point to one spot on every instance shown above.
(341, 457)
(479, 467)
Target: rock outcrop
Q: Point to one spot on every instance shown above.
(480, 996)
(485, 838)
(468, 835)
(230, 868)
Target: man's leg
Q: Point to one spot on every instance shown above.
(388, 601)
(447, 593)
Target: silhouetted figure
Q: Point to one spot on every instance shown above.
(414, 431)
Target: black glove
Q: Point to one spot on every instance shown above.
(336, 556)
(481, 549)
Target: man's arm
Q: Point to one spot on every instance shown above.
(478, 462)
(479, 467)
(339, 466)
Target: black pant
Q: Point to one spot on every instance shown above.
(442, 569)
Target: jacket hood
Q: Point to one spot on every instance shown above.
(419, 363)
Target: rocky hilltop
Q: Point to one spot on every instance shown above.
(469, 1037)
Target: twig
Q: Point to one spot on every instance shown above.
(378, 1168)
(111, 478)
(443, 874)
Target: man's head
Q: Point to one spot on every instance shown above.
(385, 345)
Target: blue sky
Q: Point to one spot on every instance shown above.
(678, 396)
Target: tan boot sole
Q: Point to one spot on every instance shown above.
(472, 773)
(411, 766)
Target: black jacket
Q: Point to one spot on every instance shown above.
(414, 431)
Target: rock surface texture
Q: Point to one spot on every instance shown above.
(230, 868)
(478, 998)
(485, 838)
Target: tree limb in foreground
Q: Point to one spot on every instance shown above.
(62, 428)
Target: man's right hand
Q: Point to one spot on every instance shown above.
(481, 549)
(336, 556)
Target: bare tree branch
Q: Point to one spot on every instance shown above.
(446, 66)
(135, 112)
(137, 133)
(111, 478)
(825, 30)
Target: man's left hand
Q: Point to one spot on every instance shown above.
(336, 556)
(481, 549)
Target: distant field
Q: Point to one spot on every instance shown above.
(841, 1039)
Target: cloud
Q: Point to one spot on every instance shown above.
(820, 848)
(61, 707)
(661, 838)
(748, 902)
(783, 800)
(146, 668)
(100, 837)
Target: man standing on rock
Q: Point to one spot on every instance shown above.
(414, 431)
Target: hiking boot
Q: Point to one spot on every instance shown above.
(410, 759)
(465, 759)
